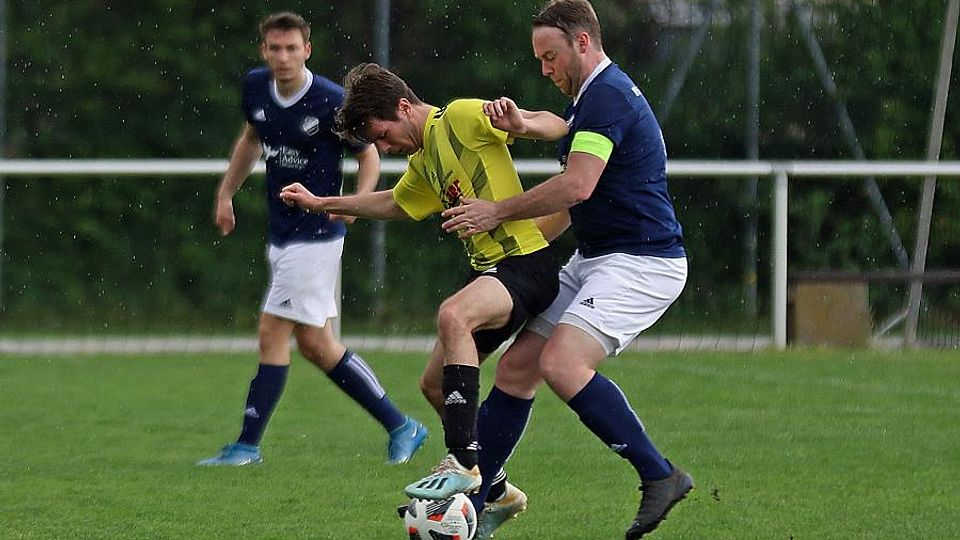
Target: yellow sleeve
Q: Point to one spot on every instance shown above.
(468, 118)
(415, 196)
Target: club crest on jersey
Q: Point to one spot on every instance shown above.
(453, 191)
(310, 125)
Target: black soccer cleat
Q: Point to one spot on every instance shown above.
(659, 496)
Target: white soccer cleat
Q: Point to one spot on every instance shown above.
(500, 511)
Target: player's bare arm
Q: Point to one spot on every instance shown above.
(506, 115)
(368, 173)
(553, 225)
(246, 152)
(575, 184)
(375, 205)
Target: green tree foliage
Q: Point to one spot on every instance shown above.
(161, 78)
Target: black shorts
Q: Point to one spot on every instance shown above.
(533, 281)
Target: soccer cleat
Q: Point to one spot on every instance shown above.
(447, 479)
(235, 455)
(659, 496)
(405, 441)
(500, 511)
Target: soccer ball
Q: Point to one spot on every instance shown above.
(450, 519)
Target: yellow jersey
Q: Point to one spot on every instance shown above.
(463, 155)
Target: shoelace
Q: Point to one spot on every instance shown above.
(446, 464)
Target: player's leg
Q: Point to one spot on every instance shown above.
(501, 422)
(534, 284)
(483, 303)
(620, 296)
(355, 377)
(263, 394)
(431, 380)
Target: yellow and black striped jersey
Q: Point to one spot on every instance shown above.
(463, 155)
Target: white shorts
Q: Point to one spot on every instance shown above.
(613, 297)
(303, 281)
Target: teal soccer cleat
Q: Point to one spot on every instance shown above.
(405, 441)
(498, 512)
(234, 455)
(446, 480)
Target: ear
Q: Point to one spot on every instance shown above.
(309, 49)
(263, 51)
(583, 42)
(404, 106)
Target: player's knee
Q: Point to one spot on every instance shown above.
(552, 366)
(517, 378)
(451, 318)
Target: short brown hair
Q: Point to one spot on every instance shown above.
(372, 93)
(285, 20)
(571, 17)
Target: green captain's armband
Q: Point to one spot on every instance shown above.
(592, 143)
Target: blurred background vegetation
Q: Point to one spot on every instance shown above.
(161, 79)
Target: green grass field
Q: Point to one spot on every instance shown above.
(803, 444)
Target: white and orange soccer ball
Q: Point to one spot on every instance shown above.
(450, 519)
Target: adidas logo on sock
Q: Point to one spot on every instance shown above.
(455, 399)
(588, 302)
(617, 448)
(251, 412)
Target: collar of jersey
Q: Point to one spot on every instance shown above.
(286, 103)
(596, 71)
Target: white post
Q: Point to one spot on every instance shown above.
(779, 282)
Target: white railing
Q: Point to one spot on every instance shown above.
(780, 172)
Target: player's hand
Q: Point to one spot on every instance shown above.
(472, 217)
(223, 216)
(297, 194)
(504, 114)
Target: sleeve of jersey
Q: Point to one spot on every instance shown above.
(413, 194)
(492, 134)
(466, 115)
(601, 122)
(245, 100)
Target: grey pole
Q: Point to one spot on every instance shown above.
(378, 245)
(753, 153)
(680, 76)
(850, 134)
(934, 143)
(3, 132)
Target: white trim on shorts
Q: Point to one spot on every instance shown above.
(303, 281)
(613, 297)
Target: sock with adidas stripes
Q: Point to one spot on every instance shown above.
(358, 381)
(461, 393)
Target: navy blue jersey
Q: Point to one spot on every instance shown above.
(630, 210)
(299, 145)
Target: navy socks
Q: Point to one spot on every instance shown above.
(604, 409)
(355, 377)
(500, 425)
(265, 390)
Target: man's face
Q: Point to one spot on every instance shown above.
(398, 136)
(285, 53)
(558, 58)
